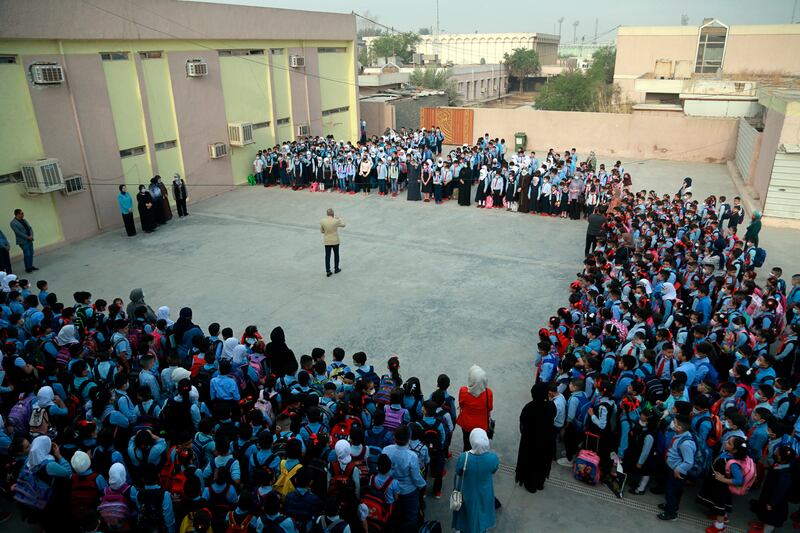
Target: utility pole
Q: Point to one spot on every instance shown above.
(575, 31)
(596, 22)
(560, 21)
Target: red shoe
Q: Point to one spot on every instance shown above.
(437, 495)
(394, 194)
(352, 192)
(713, 529)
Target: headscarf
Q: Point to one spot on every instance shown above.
(44, 398)
(228, 347)
(756, 215)
(479, 441)
(179, 374)
(7, 279)
(648, 289)
(163, 313)
(669, 292)
(183, 324)
(239, 354)
(80, 462)
(67, 335)
(476, 380)
(40, 451)
(343, 452)
(117, 476)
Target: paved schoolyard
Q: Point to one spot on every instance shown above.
(441, 286)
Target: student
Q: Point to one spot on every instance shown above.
(728, 472)
(679, 458)
(406, 470)
(434, 438)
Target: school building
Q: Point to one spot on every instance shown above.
(96, 94)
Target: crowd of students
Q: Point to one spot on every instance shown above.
(114, 418)
(556, 184)
(675, 361)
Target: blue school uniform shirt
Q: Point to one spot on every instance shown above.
(680, 453)
(405, 468)
(548, 367)
(757, 440)
(625, 378)
(224, 388)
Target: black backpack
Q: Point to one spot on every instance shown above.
(176, 418)
(202, 382)
(431, 437)
(151, 515)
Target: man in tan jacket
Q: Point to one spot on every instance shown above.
(329, 227)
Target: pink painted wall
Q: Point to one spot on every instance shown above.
(200, 113)
(770, 139)
(681, 138)
(379, 116)
(762, 53)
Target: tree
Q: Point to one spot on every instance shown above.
(522, 63)
(436, 79)
(571, 91)
(401, 45)
(424, 31)
(603, 61)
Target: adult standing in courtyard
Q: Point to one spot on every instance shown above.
(329, 227)
(475, 404)
(144, 202)
(126, 208)
(179, 191)
(24, 236)
(474, 471)
(596, 221)
(413, 194)
(464, 184)
(537, 443)
(753, 229)
(5, 254)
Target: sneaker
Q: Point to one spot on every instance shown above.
(564, 462)
(636, 491)
(437, 495)
(667, 517)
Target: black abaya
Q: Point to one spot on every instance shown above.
(281, 359)
(130, 227)
(146, 214)
(537, 443)
(413, 193)
(464, 187)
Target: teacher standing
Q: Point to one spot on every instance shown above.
(126, 208)
(329, 227)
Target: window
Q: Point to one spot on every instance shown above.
(241, 52)
(332, 50)
(13, 177)
(139, 150)
(260, 125)
(114, 56)
(276, 51)
(155, 54)
(166, 145)
(327, 112)
(282, 121)
(711, 47)
(7, 59)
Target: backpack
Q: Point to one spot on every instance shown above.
(135, 334)
(20, 415)
(198, 362)
(273, 525)
(30, 491)
(323, 525)
(716, 430)
(655, 389)
(258, 364)
(341, 431)
(176, 417)
(758, 262)
(283, 486)
(170, 468)
(145, 418)
(216, 469)
(265, 406)
(199, 443)
(384, 391)
(238, 527)
(196, 522)
(748, 471)
(584, 404)
(39, 423)
(368, 375)
(394, 417)
(202, 382)
(379, 511)
(219, 504)
(301, 508)
(712, 374)
(102, 460)
(178, 488)
(341, 479)
(114, 508)
(83, 495)
(151, 515)
(431, 437)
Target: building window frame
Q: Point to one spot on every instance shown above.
(151, 54)
(131, 152)
(115, 56)
(711, 37)
(233, 52)
(332, 50)
(166, 145)
(261, 125)
(9, 59)
(11, 177)
(333, 111)
(283, 121)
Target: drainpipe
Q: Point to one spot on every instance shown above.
(81, 143)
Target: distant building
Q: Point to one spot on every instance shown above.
(710, 70)
(474, 48)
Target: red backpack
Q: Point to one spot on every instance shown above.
(341, 479)
(238, 527)
(84, 494)
(375, 501)
(341, 431)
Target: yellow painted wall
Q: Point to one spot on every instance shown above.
(246, 93)
(20, 142)
(155, 73)
(136, 170)
(169, 162)
(282, 96)
(335, 69)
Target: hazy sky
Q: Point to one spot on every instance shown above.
(468, 16)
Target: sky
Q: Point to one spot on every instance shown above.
(469, 16)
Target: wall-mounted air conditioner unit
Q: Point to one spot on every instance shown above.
(297, 61)
(42, 176)
(73, 185)
(196, 68)
(240, 133)
(303, 130)
(47, 73)
(217, 150)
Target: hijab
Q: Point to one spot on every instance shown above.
(183, 324)
(44, 398)
(479, 441)
(116, 476)
(239, 354)
(67, 335)
(228, 347)
(343, 452)
(476, 380)
(163, 313)
(40, 451)
(669, 292)
(6, 280)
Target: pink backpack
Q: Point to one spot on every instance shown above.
(489, 201)
(114, 508)
(748, 471)
(394, 417)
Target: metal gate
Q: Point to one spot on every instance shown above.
(783, 195)
(455, 122)
(745, 148)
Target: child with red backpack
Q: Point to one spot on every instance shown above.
(241, 519)
(380, 495)
(86, 486)
(434, 439)
(344, 478)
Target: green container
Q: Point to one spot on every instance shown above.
(520, 141)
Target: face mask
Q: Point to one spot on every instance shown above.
(643, 423)
(727, 424)
(673, 426)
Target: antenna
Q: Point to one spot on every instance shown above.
(575, 31)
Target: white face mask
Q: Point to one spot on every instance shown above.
(673, 425)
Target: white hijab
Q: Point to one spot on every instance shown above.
(239, 354)
(163, 313)
(117, 476)
(227, 348)
(648, 289)
(44, 398)
(343, 452)
(67, 335)
(476, 380)
(8, 278)
(669, 292)
(40, 451)
(479, 441)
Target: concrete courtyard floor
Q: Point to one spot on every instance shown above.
(443, 287)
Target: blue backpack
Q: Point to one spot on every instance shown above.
(30, 491)
(584, 404)
(712, 374)
(760, 257)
